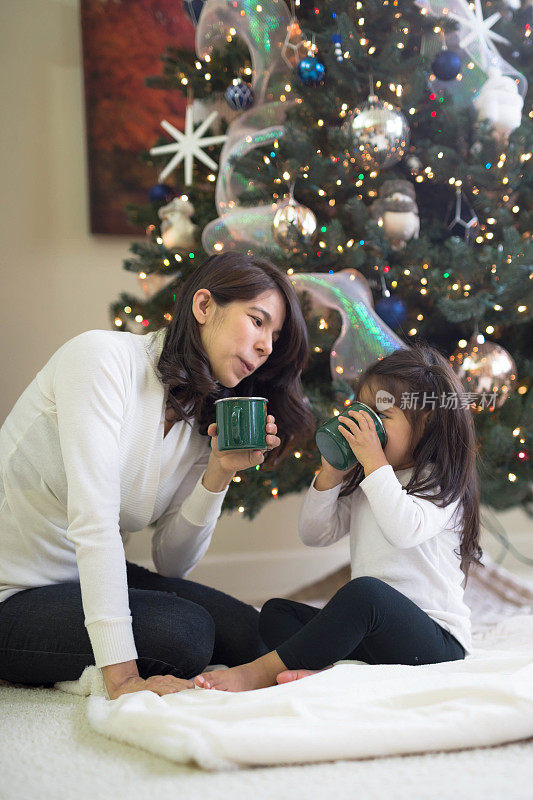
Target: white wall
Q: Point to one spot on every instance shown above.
(57, 279)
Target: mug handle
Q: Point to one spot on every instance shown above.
(235, 425)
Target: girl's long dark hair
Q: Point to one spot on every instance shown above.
(444, 442)
(184, 365)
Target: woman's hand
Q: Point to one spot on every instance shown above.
(360, 433)
(235, 460)
(160, 684)
(223, 464)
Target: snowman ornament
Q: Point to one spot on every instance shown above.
(177, 230)
(500, 103)
(397, 212)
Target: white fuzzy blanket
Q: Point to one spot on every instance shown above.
(353, 710)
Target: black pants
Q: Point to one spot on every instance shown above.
(179, 628)
(367, 620)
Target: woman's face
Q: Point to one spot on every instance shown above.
(238, 338)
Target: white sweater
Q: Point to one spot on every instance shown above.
(405, 541)
(83, 459)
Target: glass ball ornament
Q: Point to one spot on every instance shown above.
(447, 65)
(311, 71)
(239, 95)
(293, 225)
(161, 193)
(487, 371)
(392, 311)
(379, 134)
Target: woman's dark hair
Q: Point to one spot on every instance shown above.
(184, 366)
(442, 435)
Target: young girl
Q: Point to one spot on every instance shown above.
(412, 512)
(114, 434)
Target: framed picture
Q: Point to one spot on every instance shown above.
(122, 44)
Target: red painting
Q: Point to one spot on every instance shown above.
(122, 43)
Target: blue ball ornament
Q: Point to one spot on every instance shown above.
(161, 193)
(392, 311)
(240, 95)
(447, 65)
(311, 71)
(193, 9)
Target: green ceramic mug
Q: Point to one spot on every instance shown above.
(332, 444)
(241, 423)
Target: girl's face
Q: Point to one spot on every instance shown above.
(398, 450)
(238, 338)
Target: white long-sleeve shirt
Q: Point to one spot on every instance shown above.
(405, 541)
(83, 459)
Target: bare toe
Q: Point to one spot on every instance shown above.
(216, 679)
(289, 675)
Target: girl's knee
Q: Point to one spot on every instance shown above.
(273, 605)
(273, 618)
(365, 586)
(270, 609)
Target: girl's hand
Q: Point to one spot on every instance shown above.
(227, 462)
(338, 473)
(360, 433)
(329, 477)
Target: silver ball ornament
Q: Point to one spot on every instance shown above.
(379, 133)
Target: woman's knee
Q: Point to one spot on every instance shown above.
(193, 635)
(174, 631)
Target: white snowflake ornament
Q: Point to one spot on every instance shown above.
(188, 145)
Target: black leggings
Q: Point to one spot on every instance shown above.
(179, 626)
(367, 620)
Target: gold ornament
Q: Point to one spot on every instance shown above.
(293, 225)
(487, 371)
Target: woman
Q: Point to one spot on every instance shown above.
(112, 435)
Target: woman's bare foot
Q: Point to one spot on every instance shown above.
(295, 674)
(255, 675)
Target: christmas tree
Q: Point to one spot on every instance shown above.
(380, 153)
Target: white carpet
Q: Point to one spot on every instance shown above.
(48, 751)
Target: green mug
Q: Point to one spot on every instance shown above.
(332, 444)
(241, 423)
